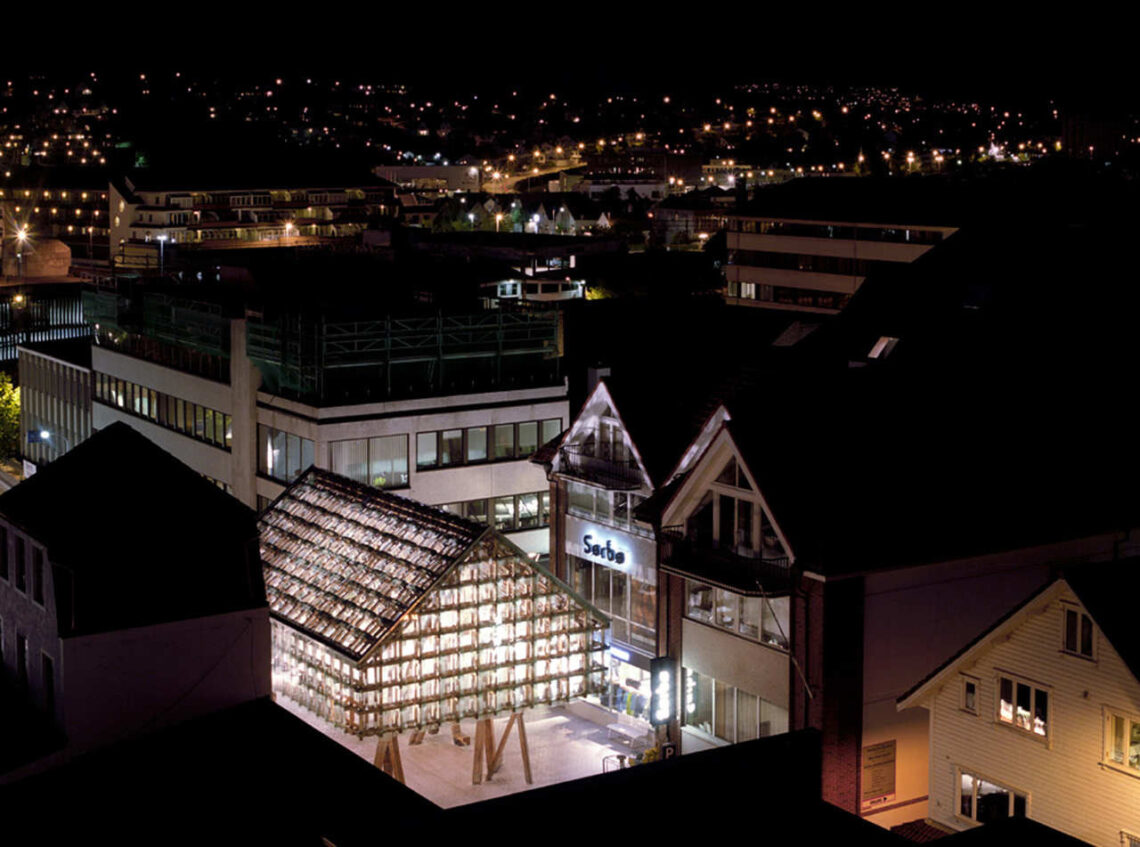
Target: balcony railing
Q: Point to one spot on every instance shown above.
(610, 473)
(702, 560)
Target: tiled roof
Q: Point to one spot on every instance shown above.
(345, 562)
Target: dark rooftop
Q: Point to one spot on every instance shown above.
(77, 351)
(144, 538)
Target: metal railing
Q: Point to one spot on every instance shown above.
(611, 473)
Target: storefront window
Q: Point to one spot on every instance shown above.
(718, 709)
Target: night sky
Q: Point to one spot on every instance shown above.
(967, 52)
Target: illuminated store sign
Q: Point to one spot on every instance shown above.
(663, 688)
(593, 547)
(612, 547)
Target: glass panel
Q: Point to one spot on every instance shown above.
(477, 444)
(773, 719)
(1022, 713)
(643, 603)
(777, 621)
(1116, 743)
(700, 602)
(350, 458)
(728, 475)
(602, 588)
(966, 807)
(528, 511)
(307, 457)
(993, 802)
(1134, 746)
(528, 438)
(477, 511)
(727, 519)
(207, 432)
(388, 461)
(220, 428)
(743, 525)
(292, 456)
(1086, 635)
(544, 499)
(200, 426)
(425, 450)
(276, 453)
(750, 614)
(698, 701)
(1070, 630)
(1005, 707)
(602, 505)
(550, 429)
(581, 498)
(505, 441)
(727, 608)
(747, 716)
(504, 513)
(580, 577)
(451, 447)
(619, 598)
(724, 711)
(1041, 712)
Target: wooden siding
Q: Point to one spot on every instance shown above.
(1068, 786)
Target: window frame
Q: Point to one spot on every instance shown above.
(1081, 616)
(959, 771)
(1034, 687)
(968, 680)
(1130, 719)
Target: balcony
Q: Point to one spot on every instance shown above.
(701, 560)
(610, 473)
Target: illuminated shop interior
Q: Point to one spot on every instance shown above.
(392, 616)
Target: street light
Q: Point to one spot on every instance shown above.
(161, 255)
(21, 240)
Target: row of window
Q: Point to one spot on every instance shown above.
(517, 511)
(630, 603)
(613, 508)
(167, 411)
(861, 233)
(763, 619)
(841, 265)
(788, 296)
(177, 356)
(728, 713)
(16, 570)
(477, 444)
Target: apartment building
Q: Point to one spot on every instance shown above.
(810, 243)
(218, 213)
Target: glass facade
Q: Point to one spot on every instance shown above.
(730, 714)
(282, 455)
(477, 444)
(630, 603)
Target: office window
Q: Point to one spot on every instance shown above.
(426, 454)
(550, 429)
(388, 461)
(504, 441)
(1122, 740)
(1023, 705)
(282, 455)
(984, 801)
(451, 447)
(1078, 633)
(477, 444)
(528, 517)
(527, 439)
(504, 513)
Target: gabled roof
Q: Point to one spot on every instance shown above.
(344, 562)
(145, 538)
(1097, 587)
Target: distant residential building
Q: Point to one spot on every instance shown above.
(69, 205)
(214, 213)
(686, 217)
(1039, 715)
(810, 243)
(439, 178)
(112, 640)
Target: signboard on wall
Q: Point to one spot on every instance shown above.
(606, 545)
(663, 691)
(878, 774)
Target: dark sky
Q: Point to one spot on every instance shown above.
(968, 51)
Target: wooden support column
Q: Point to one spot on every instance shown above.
(458, 737)
(388, 756)
(497, 759)
(524, 748)
(477, 763)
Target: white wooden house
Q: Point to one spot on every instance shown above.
(1039, 716)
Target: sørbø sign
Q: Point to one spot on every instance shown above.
(604, 552)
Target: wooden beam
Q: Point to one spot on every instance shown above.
(488, 745)
(388, 756)
(477, 763)
(524, 748)
(417, 738)
(497, 760)
(458, 737)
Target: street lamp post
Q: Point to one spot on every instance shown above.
(161, 255)
(21, 242)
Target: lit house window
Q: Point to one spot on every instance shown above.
(1078, 633)
(1023, 705)
(984, 801)
(1122, 740)
(766, 620)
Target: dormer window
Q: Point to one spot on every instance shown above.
(1077, 633)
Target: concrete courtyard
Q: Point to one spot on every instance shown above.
(562, 746)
